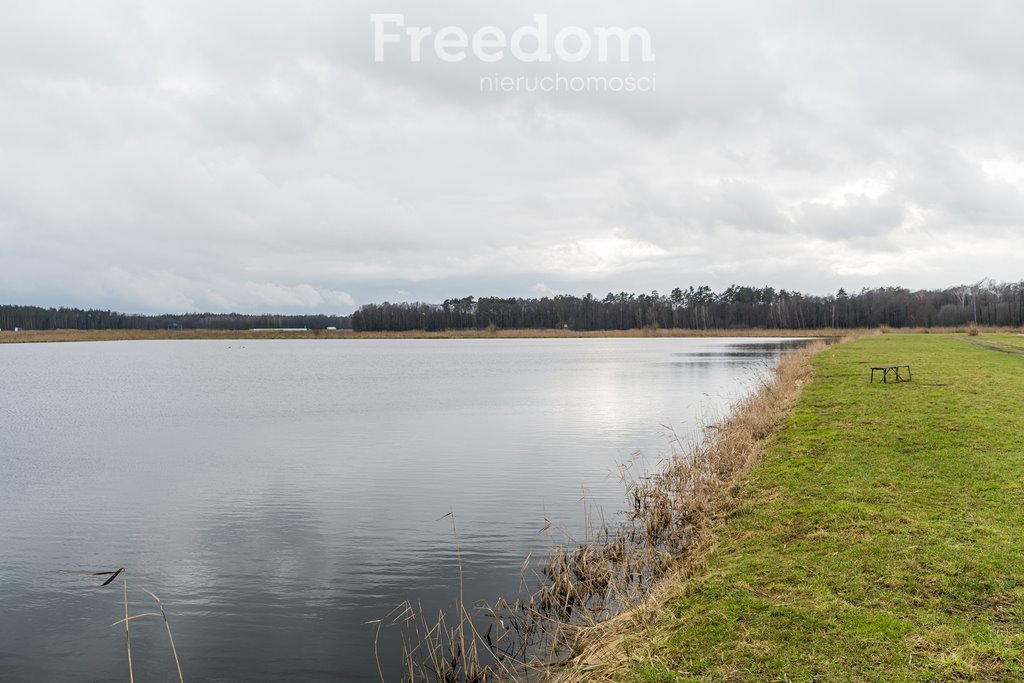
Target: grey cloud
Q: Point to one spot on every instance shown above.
(253, 156)
(854, 217)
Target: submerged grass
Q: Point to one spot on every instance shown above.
(881, 537)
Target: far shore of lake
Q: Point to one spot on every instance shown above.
(37, 336)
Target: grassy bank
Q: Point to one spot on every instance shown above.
(115, 335)
(880, 538)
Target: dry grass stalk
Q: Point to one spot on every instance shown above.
(123, 573)
(127, 634)
(111, 576)
(170, 637)
(590, 594)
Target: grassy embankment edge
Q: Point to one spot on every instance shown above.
(878, 538)
(586, 584)
(34, 336)
(702, 484)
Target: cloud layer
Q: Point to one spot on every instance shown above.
(253, 156)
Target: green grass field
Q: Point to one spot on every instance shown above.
(881, 538)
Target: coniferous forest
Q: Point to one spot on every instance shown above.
(986, 303)
(736, 307)
(36, 318)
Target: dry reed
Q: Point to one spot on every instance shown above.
(684, 501)
(123, 573)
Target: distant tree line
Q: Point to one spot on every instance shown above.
(36, 318)
(986, 303)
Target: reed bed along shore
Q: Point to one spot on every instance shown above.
(878, 538)
(9, 337)
(586, 595)
(686, 498)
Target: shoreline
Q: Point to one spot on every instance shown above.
(691, 494)
(588, 588)
(877, 536)
(55, 336)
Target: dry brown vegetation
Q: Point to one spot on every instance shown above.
(590, 594)
(681, 504)
(111, 576)
(971, 329)
(121, 335)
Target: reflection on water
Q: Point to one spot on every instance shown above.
(739, 352)
(277, 495)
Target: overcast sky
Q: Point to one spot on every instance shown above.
(255, 156)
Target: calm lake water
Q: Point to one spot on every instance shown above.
(277, 495)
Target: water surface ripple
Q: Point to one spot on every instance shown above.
(277, 494)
